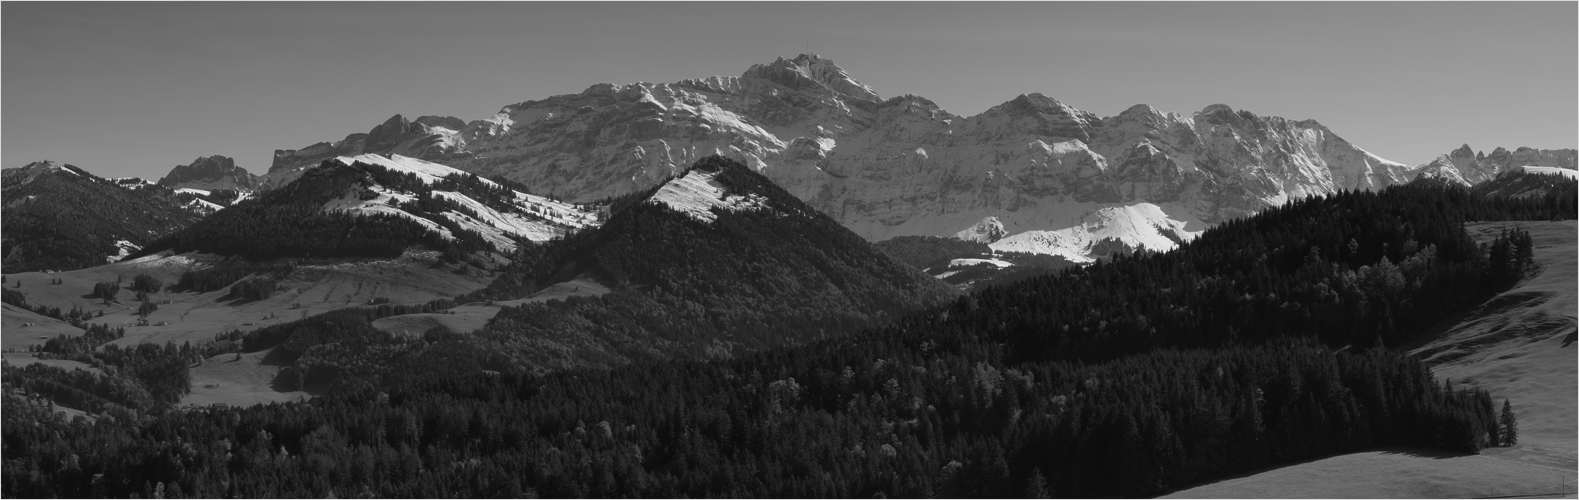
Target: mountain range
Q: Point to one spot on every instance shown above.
(1031, 175)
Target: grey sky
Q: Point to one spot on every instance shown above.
(136, 88)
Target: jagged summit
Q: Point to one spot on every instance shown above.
(807, 69)
(1468, 167)
(900, 166)
(211, 173)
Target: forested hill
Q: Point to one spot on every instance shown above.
(1080, 384)
(717, 261)
(1519, 183)
(381, 213)
(1352, 269)
(60, 217)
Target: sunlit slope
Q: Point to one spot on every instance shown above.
(1519, 346)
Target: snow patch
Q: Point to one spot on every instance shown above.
(1139, 225)
(125, 248)
(494, 221)
(202, 192)
(203, 206)
(971, 262)
(698, 192)
(988, 230)
(350, 203)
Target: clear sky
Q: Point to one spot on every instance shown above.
(128, 88)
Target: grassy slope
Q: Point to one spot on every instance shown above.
(14, 336)
(1516, 346)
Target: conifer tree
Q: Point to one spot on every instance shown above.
(1036, 486)
(1510, 425)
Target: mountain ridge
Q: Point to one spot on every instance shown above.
(59, 217)
(897, 166)
(211, 173)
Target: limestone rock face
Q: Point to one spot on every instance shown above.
(211, 173)
(1467, 167)
(903, 166)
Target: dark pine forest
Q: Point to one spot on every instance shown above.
(1266, 340)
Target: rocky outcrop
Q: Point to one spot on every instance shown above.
(1467, 167)
(428, 137)
(211, 173)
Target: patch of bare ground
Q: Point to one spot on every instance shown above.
(1520, 345)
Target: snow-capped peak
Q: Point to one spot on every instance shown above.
(821, 71)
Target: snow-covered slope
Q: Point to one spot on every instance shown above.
(1106, 229)
(529, 217)
(896, 166)
(697, 193)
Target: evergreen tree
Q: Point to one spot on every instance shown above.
(1036, 486)
(1510, 425)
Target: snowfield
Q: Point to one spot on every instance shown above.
(1139, 225)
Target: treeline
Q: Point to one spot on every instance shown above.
(119, 399)
(76, 316)
(340, 324)
(225, 273)
(163, 371)
(1555, 191)
(926, 252)
(72, 346)
(255, 288)
(860, 418)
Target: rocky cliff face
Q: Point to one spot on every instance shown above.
(901, 166)
(211, 173)
(429, 137)
(1465, 166)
